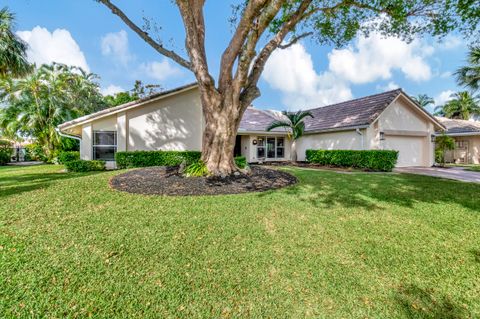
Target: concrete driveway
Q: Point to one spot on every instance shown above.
(456, 173)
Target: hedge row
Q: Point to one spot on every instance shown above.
(6, 152)
(375, 160)
(68, 156)
(155, 158)
(85, 166)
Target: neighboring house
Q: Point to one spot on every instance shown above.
(172, 120)
(467, 140)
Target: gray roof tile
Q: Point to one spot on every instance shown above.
(455, 126)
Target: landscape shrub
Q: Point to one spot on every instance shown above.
(36, 152)
(6, 152)
(155, 158)
(241, 162)
(68, 156)
(374, 160)
(196, 169)
(85, 166)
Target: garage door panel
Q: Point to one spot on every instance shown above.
(411, 149)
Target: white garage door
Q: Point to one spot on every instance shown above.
(410, 149)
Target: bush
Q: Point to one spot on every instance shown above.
(155, 158)
(6, 152)
(36, 152)
(241, 162)
(196, 169)
(69, 156)
(85, 166)
(375, 160)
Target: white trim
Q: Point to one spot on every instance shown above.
(349, 128)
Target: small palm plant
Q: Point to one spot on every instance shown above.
(294, 122)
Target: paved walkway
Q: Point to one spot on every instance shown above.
(29, 163)
(456, 173)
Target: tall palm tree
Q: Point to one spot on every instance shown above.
(13, 59)
(36, 104)
(423, 100)
(462, 105)
(469, 76)
(294, 123)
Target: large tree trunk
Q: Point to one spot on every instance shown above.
(222, 118)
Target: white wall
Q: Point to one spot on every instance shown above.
(173, 123)
(341, 140)
(86, 143)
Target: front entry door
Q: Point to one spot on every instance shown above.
(271, 147)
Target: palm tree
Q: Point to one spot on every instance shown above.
(294, 123)
(469, 76)
(13, 59)
(423, 100)
(462, 105)
(36, 104)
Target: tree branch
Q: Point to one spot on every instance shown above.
(295, 40)
(144, 35)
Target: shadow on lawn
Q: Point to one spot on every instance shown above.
(369, 190)
(422, 303)
(21, 183)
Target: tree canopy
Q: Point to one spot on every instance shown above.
(13, 58)
(469, 75)
(52, 94)
(462, 105)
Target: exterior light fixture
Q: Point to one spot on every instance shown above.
(432, 138)
(382, 136)
(254, 142)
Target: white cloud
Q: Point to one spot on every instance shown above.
(160, 70)
(443, 97)
(388, 87)
(291, 71)
(111, 90)
(115, 44)
(450, 42)
(375, 57)
(58, 46)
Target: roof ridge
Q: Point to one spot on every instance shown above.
(358, 99)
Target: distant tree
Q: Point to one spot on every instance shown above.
(13, 58)
(37, 103)
(462, 105)
(139, 91)
(423, 100)
(469, 76)
(443, 143)
(260, 27)
(295, 125)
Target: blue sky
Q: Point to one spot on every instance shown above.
(306, 75)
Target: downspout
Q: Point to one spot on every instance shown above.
(362, 135)
(66, 135)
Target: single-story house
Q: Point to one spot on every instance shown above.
(467, 140)
(173, 120)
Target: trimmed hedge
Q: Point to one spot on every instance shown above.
(68, 156)
(375, 160)
(155, 158)
(85, 166)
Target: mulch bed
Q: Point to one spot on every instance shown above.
(167, 181)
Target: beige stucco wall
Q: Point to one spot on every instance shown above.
(173, 123)
(471, 155)
(407, 130)
(341, 140)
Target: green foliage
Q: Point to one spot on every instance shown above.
(241, 162)
(462, 105)
(6, 152)
(139, 91)
(375, 160)
(36, 152)
(423, 100)
(155, 158)
(196, 169)
(443, 143)
(119, 98)
(85, 166)
(469, 75)
(13, 56)
(294, 122)
(51, 95)
(68, 156)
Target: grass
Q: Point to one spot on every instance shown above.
(338, 245)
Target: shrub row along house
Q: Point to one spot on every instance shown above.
(172, 120)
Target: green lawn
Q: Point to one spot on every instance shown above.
(337, 245)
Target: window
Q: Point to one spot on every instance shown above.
(270, 147)
(104, 145)
(461, 144)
